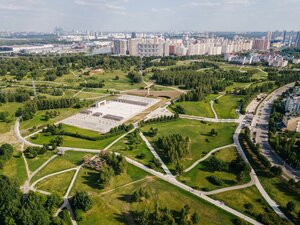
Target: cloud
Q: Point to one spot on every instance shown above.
(106, 5)
(162, 10)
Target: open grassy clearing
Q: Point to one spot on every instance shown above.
(56, 184)
(116, 207)
(87, 180)
(276, 188)
(68, 160)
(39, 122)
(198, 177)
(36, 162)
(15, 169)
(240, 199)
(135, 153)
(201, 108)
(11, 108)
(198, 132)
(236, 85)
(76, 142)
(227, 105)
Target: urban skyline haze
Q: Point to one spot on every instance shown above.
(155, 15)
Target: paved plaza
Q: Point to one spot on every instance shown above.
(108, 114)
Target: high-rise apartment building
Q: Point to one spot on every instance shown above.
(297, 42)
(120, 47)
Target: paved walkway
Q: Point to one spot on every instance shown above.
(207, 156)
(163, 165)
(213, 120)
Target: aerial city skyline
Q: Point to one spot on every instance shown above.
(138, 112)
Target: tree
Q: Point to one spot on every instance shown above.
(179, 168)
(195, 218)
(276, 170)
(105, 175)
(6, 151)
(290, 206)
(81, 201)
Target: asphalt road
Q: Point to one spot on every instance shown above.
(260, 125)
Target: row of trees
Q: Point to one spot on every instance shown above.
(59, 130)
(18, 95)
(159, 119)
(163, 216)
(93, 84)
(174, 147)
(32, 106)
(286, 143)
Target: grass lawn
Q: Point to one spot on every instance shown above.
(122, 147)
(76, 142)
(56, 184)
(38, 121)
(36, 162)
(116, 207)
(238, 199)
(11, 108)
(226, 106)
(278, 191)
(67, 161)
(198, 176)
(15, 169)
(72, 129)
(198, 132)
(87, 180)
(201, 108)
(237, 85)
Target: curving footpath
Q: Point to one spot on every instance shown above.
(207, 156)
(169, 178)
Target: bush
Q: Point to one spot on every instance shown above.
(215, 180)
(80, 215)
(6, 151)
(81, 201)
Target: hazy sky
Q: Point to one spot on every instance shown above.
(150, 15)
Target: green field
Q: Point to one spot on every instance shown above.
(76, 142)
(201, 108)
(117, 207)
(68, 160)
(239, 200)
(38, 121)
(226, 106)
(11, 108)
(278, 191)
(122, 147)
(56, 184)
(87, 180)
(198, 132)
(36, 162)
(198, 176)
(15, 169)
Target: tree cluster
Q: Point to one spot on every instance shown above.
(81, 203)
(114, 165)
(174, 147)
(18, 95)
(135, 77)
(28, 209)
(163, 216)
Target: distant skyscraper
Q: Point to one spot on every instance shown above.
(269, 35)
(133, 35)
(58, 31)
(284, 37)
(297, 42)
